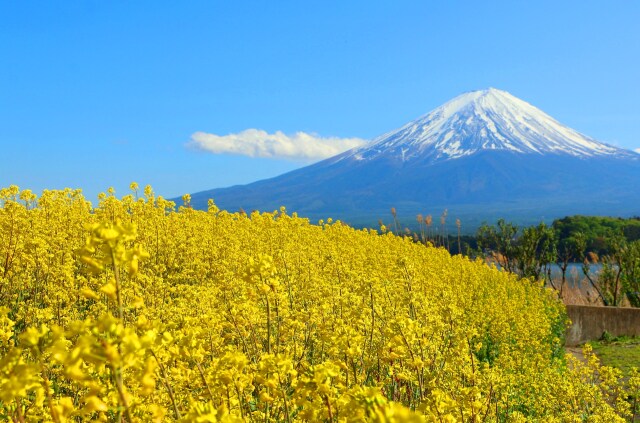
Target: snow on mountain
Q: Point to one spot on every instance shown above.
(489, 119)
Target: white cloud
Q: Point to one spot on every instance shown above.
(637, 150)
(259, 143)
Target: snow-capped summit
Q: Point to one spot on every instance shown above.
(488, 119)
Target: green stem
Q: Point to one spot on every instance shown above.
(118, 286)
(167, 385)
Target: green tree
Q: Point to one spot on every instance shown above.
(587, 260)
(498, 242)
(609, 278)
(535, 251)
(620, 273)
(631, 272)
(566, 252)
(527, 253)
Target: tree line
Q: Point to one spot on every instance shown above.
(611, 244)
(532, 251)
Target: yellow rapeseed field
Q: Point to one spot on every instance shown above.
(137, 311)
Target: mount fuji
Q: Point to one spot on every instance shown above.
(482, 155)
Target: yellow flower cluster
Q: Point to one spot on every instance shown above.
(136, 311)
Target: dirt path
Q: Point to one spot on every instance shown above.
(577, 353)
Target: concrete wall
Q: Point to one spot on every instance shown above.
(589, 323)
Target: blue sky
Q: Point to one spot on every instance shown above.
(96, 94)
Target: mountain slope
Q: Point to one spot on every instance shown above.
(483, 154)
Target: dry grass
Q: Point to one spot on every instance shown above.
(579, 291)
(580, 295)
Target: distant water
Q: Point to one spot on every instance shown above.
(575, 268)
(574, 275)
